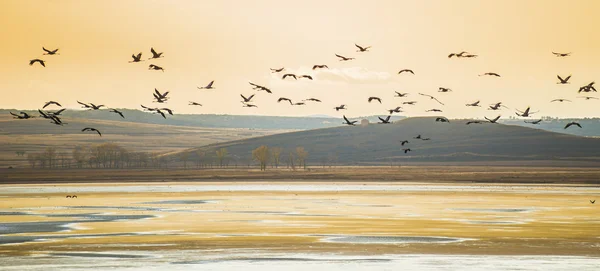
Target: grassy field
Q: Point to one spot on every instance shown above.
(34, 135)
(434, 174)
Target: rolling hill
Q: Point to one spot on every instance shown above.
(450, 142)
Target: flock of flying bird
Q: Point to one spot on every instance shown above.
(162, 97)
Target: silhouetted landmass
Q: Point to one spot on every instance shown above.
(454, 141)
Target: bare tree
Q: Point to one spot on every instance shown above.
(301, 154)
(32, 158)
(184, 156)
(291, 160)
(261, 154)
(221, 155)
(276, 154)
(50, 156)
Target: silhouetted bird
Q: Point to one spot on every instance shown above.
(441, 89)
(362, 49)
(289, 75)
(470, 56)
(155, 54)
(473, 122)
(343, 58)
(431, 97)
(588, 88)
(375, 98)
(433, 110)
(461, 54)
(306, 76)
(563, 81)
(313, 100)
(525, 113)
(92, 130)
(51, 102)
(285, 99)
(209, 86)
(22, 116)
(441, 119)
(56, 113)
(156, 68)
(299, 103)
(249, 105)
(534, 122)
(195, 103)
(561, 54)
(33, 61)
(494, 120)
(386, 120)
(404, 142)
(398, 94)
(347, 122)
(560, 100)
(587, 97)
(571, 124)
(320, 67)
(50, 52)
(395, 110)
(490, 74)
(246, 100)
(417, 137)
(341, 107)
(117, 112)
(406, 70)
(410, 103)
(473, 104)
(277, 70)
(406, 150)
(496, 106)
(160, 96)
(592, 201)
(137, 58)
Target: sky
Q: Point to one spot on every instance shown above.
(236, 42)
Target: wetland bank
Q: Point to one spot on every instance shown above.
(306, 220)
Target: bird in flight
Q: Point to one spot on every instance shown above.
(289, 75)
(313, 100)
(592, 201)
(560, 100)
(461, 54)
(473, 104)
(496, 106)
(306, 76)
(588, 88)
(431, 97)
(534, 122)
(442, 89)
(404, 142)
(562, 54)
(563, 81)
(209, 86)
(56, 113)
(299, 103)
(320, 67)
(154, 54)
(410, 103)
(249, 105)
(50, 52)
(156, 68)
(348, 122)
(51, 102)
(395, 110)
(160, 96)
(441, 119)
(470, 56)
(433, 110)
(406, 150)
(572, 124)
(195, 103)
(407, 71)
(117, 112)
(587, 97)
(494, 120)
(33, 61)
(490, 74)
(285, 99)
(259, 87)
(398, 94)
(386, 120)
(247, 100)
(375, 98)
(362, 49)
(418, 137)
(473, 122)
(525, 113)
(92, 130)
(341, 107)
(90, 106)
(22, 116)
(276, 70)
(343, 58)
(137, 58)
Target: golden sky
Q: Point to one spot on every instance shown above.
(234, 42)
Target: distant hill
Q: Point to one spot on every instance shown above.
(455, 141)
(591, 126)
(209, 120)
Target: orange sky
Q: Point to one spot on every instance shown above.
(234, 42)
